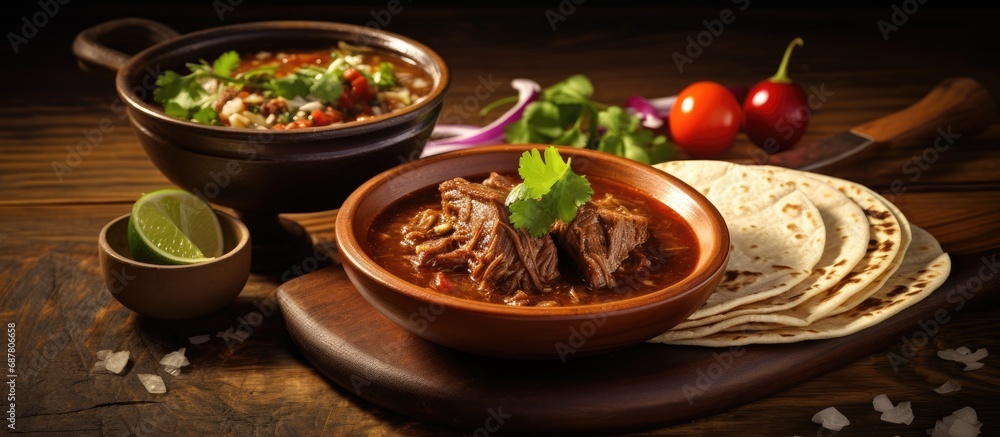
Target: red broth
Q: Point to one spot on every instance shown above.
(672, 250)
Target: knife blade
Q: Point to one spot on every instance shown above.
(959, 107)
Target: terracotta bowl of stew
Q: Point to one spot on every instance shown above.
(657, 299)
(262, 173)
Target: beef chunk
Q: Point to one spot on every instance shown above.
(601, 238)
(479, 236)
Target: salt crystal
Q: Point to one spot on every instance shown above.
(116, 362)
(901, 413)
(961, 423)
(99, 367)
(173, 362)
(949, 387)
(831, 419)
(199, 339)
(967, 414)
(103, 354)
(882, 403)
(973, 366)
(153, 383)
(962, 428)
(954, 355)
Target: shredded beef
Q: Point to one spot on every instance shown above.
(601, 238)
(473, 230)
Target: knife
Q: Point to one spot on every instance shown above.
(957, 106)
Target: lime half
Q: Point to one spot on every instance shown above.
(173, 226)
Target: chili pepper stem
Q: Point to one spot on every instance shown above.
(782, 75)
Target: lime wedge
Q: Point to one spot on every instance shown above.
(173, 226)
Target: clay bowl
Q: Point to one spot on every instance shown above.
(263, 173)
(529, 332)
(173, 292)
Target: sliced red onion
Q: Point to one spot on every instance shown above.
(649, 114)
(527, 92)
(446, 131)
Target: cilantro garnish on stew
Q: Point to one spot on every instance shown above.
(550, 191)
(292, 90)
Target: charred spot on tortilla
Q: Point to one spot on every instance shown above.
(732, 275)
(880, 215)
(791, 207)
(899, 289)
(886, 246)
(780, 267)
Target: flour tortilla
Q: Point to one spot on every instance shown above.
(923, 269)
(886, 249)
(847, 234)
(776, 233)
(906, 237)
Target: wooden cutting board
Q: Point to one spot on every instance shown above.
(641, 387)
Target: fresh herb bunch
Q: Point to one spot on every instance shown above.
(564, 114)
(550, 191)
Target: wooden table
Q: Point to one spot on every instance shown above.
(56, 192)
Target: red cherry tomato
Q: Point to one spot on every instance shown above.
(704, 119)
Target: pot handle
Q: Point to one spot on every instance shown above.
(90, 49)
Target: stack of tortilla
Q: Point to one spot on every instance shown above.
(812, 256)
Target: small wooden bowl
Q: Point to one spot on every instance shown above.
(174, 292)
(528, 332)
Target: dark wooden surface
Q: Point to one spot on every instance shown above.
(262, 385)
(651, 385)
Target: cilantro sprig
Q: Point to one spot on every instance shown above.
(550, 191)
(185, 97)
(566, 115)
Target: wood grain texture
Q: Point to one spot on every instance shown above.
(49, 283)
(637, 388)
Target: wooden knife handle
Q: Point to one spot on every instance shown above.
(959, 106)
